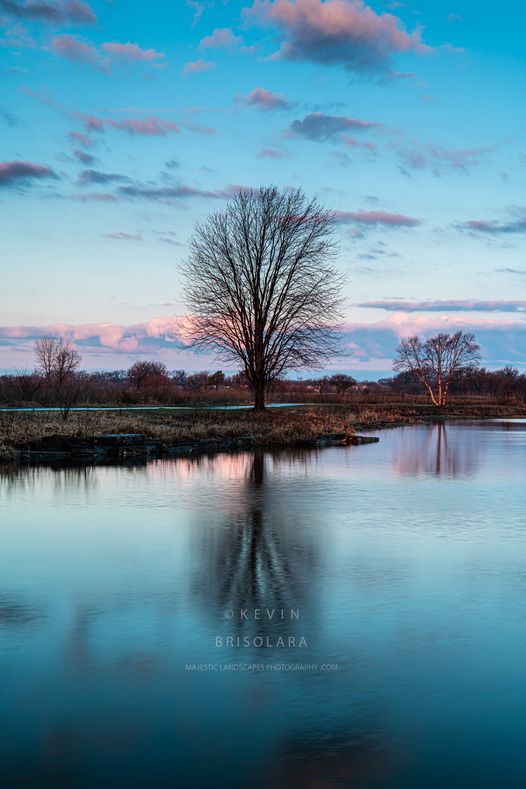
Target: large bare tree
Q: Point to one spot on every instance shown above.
(262, 286)
(438, 361)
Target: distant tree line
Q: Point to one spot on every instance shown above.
(435, 368)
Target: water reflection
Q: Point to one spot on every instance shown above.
(437, 450)
(256, 556)
(114, 579)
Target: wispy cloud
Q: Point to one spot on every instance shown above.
(171, 193)
(149, 127)
(90, 177)
(18, 172)
(320, 127)
(453, 305)
(271, 153)
(345, 33)
(66, 12)
(110, 53)
(437, 158)
(513, 225)
(376, 218)
(121, 236)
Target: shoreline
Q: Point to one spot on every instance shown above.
(104, 435)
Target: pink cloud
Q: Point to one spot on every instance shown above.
(376, 218)
(221, 38)
(373, 344)
(71, 12)
(131, 52)
(270, 153)
(81, 139)
(336, 32)
(197, 66)
(265, 100)
(19, 171)
(71, 48)
(149, 127)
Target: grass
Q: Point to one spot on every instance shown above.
(278, 428)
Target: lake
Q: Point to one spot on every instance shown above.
(348, 617)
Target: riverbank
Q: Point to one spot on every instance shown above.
(24, 435)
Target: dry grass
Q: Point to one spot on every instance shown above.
(279, 427)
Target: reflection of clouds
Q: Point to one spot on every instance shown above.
(436, 450)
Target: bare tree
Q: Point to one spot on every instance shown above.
(438, 361)
(144, 373)
(56, 359)
(262, 287)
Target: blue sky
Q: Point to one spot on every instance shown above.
(122, 126)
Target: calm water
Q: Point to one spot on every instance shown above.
(402, 564)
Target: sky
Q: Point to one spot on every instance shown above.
(122, 124)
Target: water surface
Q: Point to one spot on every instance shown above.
(403, 564)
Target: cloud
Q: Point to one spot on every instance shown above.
(145, 338)
(344, 33)
(72, 12)
(78, 138)
(95, 197)
(265, 99)
(110, 52)
(89, 177)
(454, 305)
(197, 66)
(221, 38)
(123, 236)
(376, 218)
(271, 153)
(149, 127)
(131, 52)
(437, 158)
(320, 127)
(23, 172)
(71, 48)
(82, 156)
(515, 225)
(199, 8)
(170, 193)
(520, 272)
(373, 344)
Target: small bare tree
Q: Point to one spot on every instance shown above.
(262, 287)
(438, 361)
(57, 360)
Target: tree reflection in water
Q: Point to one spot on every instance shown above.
(256, 556)
(431, 450)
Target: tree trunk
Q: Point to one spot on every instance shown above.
(259, 395)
